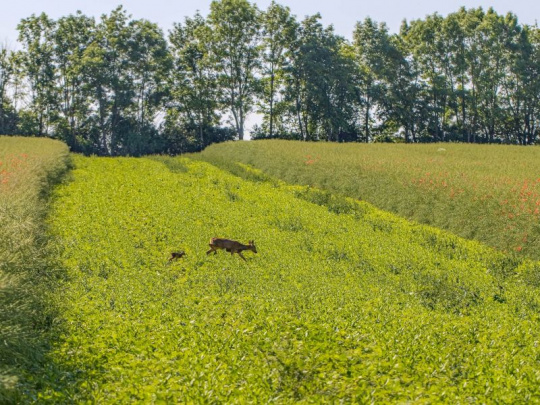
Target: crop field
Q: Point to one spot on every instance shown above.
(28, 169)
(342, 302)
(490, 193)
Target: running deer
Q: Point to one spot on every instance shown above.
(177, 255)
(231, 246)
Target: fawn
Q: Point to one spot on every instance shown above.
(177, 255)
(231, 246)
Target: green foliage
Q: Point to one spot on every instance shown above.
(98, 86)
(234, 48)
(279, 29)
(350, 305)
(192, 120)
(319, 91)
(117, 87)
(8, 117)
(472, 63)
(35, 34)
(28, 170)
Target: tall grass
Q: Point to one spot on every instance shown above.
(484, 192)
(28, 169)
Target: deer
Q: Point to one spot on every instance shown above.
(177, 255)
(231, 246)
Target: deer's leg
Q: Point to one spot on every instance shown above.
(242, 256)
(212, 249)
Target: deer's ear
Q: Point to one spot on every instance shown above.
(251, 242)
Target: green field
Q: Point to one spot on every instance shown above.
(343, 302)
(490, 193)
(28, 170)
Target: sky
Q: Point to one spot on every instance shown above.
(343, 14)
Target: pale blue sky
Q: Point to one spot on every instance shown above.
(343, 14)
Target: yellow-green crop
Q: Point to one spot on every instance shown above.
(343, 302)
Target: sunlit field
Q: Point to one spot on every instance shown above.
(342, 302)
(487, 192)
(28, 169)
(157, 247)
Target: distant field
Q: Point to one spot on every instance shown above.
(487, 192)
(343, 302)
(28, 169)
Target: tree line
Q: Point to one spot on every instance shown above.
(120, 86)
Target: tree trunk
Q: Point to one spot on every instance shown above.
(272, 103)
(366, 124)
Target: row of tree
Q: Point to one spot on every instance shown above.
(118, 86)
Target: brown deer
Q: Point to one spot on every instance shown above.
(177, 255)
(231, 246)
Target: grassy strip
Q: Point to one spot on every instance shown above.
(351, 304)
(28, 169)
(483, 192)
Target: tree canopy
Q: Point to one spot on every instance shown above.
(121, 86)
